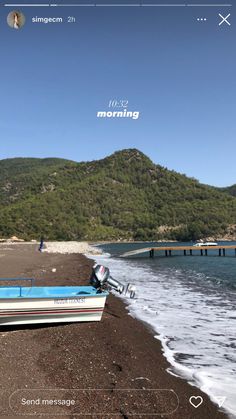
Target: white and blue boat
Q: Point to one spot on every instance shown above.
(30, 305)
(56, 304)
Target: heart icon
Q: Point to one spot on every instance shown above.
(196, 401)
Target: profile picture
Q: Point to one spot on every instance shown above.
(16, 19)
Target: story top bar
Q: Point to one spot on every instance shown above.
(116, 5)
(26, 5)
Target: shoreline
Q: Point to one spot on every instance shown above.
(118, 352)
(102, 242)
(96, 243)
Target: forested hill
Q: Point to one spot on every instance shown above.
(231, 190)
(123, 196)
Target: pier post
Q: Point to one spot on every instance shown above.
(185, 252)
(169, 252)
(235, 252)
(201, 252)
(219, 252)
(205, 252)
(223, 252)
(191, 252)
(166, 253)
(151, 253)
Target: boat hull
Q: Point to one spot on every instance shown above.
(51, 310)
(52, 318)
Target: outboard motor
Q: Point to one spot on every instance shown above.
(99, 277)
(101, 280)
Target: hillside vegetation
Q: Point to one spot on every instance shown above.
(230, 190)
(124, 196)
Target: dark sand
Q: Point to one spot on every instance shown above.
(117, 353)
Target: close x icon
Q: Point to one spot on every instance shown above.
(224, 19)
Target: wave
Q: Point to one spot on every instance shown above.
(193, 325)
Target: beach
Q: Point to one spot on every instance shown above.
(117, 353)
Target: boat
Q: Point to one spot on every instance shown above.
(56, 304)
(200, 244)
(28, 305)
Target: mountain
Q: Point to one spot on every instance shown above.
(123, 196)
(230, 190)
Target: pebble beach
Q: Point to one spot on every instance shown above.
(118, 358)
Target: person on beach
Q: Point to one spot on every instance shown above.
(41, 244)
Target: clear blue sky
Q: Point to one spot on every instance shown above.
(179, 73)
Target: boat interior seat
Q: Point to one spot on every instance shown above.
(82, 292)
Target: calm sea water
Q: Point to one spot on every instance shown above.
(190, 303)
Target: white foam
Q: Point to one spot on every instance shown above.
(195, 329)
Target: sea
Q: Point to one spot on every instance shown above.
(189, 302)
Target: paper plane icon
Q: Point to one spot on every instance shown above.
(220, 400)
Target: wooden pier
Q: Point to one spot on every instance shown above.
(187, 250)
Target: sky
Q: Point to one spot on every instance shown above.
(178, 72)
